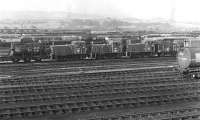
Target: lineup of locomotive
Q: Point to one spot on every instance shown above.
(57, 48)
(91, 47)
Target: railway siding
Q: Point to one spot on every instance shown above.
(96, 89)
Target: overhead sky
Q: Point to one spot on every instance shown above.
(185, 10)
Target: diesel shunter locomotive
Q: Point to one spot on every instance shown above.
(188, 58)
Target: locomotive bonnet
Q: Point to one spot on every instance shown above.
(189, 56)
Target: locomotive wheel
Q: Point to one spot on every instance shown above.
(15, 60)
(38, 60)
(27, 60)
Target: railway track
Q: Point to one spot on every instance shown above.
(65, 93)
(91, 75)
(98, 91)
(77, 69)
(74, 80)
(59, 108)
(88, 62)
(64, 66)
(94, 90)
(88, 70)
(181, 112)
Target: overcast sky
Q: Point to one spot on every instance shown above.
(185, 10)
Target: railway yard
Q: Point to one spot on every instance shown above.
(99, 60)
(111, 89)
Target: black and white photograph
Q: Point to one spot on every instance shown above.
(99, 60)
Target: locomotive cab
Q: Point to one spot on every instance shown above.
(79, 49)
